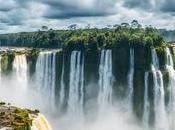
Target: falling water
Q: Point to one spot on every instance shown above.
(0, 65)
(171, 87)
(146, 112)
(130, 77)
(20, 69)
(0, 70)
(155, 60)
(45, 77)
(76, 85)
(41, 123)
(159, 95)
(169, 59)
(62, 90)
(105, 79)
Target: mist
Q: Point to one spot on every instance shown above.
(112, 118)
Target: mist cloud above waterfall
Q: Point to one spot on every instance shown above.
(20, 15)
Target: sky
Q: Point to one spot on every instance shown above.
(31, 15)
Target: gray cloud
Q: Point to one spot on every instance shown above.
(156, 6)
(7, 5)
(27, 14)
(143, 4)
(168, 6)
(68, 9)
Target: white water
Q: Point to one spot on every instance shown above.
(76, 85)
(0, 68)
(159, 95)
(62, 90)
(146, 112)
(20, 70)
(45, 78)
(0, 63)
(41, 123)
(171, 88)
(105, 79)
(130, 78)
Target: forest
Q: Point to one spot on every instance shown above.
(88, 38)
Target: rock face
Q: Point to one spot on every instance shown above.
(69, 71)
(13, 118)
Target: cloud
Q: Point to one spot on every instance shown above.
(155, 6)
(29, 15)
(168, 7)
(79, 8)
(7, 5)
(143, 4)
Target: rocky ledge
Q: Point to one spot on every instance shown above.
(13, 118)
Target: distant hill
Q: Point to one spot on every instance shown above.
(169, 35)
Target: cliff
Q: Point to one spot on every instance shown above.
(132, 63)
(14, 118)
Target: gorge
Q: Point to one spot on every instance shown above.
(83, 86)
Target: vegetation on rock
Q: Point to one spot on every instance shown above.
(15, 118)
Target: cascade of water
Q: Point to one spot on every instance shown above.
(62, 90)
(0, 63)
(20, 69)
(45, 76)
(76, 85)
(169, 59)
(0, 68)
(171, 87)
(105, 79)
(159, 95)
(146, 112)
(130, 77)
(155, 60)
(41, 123)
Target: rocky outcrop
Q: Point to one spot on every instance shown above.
(14, 118)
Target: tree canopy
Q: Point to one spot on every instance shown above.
(121, 35)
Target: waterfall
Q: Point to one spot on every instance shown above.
(20, 69)
(146, 112)
(76, 84)
(0, 70)
(105, 79)
(171, 87)
(40, 123)
(62, 90)
(155, 60)
(159, 95)
(130, 77)
(0, 65)
(45, 77)
(169, 59)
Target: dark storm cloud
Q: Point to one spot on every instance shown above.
(156, 6)
(62, 10)
(144, 4)
(13, 17)
(168, 6)
(72, 12)
(14, 12)
(8, 5)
